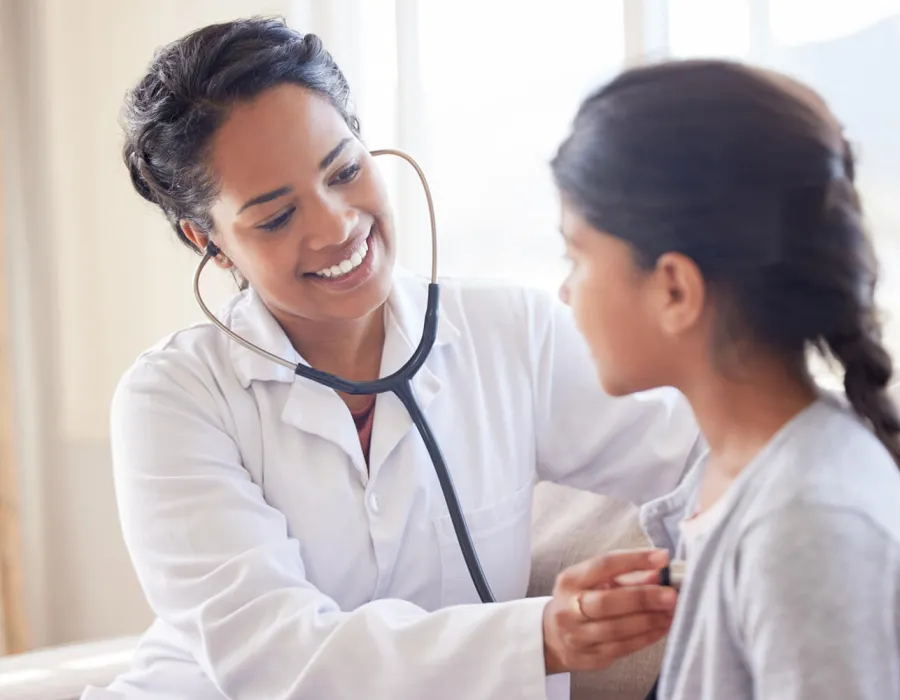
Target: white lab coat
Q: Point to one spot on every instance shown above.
(281, 568)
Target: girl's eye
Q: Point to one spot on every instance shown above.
(346, 175)
(279, 221)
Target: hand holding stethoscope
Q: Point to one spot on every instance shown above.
(595, 619)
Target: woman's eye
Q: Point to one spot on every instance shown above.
(346, 175)
(279, 221)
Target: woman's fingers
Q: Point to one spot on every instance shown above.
(606, 654)
(592, 620)
(603, 655)
(596, 634)
(639, 578)
(616, 602)
(612, 651)
(605, 568)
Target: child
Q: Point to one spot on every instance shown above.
(716, 237)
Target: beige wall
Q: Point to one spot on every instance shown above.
(95, 277)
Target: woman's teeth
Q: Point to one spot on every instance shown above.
(348, 265)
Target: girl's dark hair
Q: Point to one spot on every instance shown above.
(186, 94)
(748, 174)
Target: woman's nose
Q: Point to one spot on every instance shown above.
(564, 293)
(329, 223)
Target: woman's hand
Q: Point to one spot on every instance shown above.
(594, 619)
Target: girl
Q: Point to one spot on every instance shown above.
(715, 234)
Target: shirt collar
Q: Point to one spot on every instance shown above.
(249, 318)
(660, 517)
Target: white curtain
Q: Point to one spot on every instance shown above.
(12, 622)
(481, 92)
(92, 277)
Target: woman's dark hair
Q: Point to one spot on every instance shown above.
(748, 174)
(187, 92)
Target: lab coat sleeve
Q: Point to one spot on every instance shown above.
(216, 563)
(817, 605)
(634, 448)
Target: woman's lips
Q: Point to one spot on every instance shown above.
(359, 273)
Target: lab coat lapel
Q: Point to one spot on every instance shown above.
(319, 411)
(404, 322)
(309, 407)
(252, 321)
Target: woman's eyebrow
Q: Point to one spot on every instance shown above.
(267, 197)
(334, 153)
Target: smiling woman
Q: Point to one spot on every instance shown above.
(318, 179)
(289, 160)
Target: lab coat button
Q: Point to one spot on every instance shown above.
(373, 503)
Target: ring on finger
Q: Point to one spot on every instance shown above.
(576, 605)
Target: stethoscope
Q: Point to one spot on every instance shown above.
(399, 383)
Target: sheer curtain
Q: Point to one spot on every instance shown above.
(481, 92)
(12, 622)
(13, 629)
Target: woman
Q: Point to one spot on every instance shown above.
(292, 542)
(711, 249)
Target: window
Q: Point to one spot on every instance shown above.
(500, 86)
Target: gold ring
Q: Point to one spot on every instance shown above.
(576, 606)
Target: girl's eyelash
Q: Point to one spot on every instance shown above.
(279, 221)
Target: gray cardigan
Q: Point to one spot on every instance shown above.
(796, 591)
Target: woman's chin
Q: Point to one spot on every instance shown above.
(614, 385)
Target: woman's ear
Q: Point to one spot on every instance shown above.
(682, 293)
(199, 241)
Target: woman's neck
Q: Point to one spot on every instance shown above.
(351, 349)
(739, 414)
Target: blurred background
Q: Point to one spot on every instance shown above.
(479, 91)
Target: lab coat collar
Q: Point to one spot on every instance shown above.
(405, 315)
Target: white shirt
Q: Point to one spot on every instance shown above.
(280, 567)
(696, 529)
